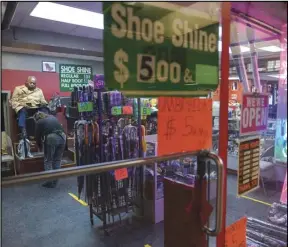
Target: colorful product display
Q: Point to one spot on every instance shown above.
(108, 130)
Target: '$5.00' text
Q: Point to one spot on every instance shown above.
(149, 70)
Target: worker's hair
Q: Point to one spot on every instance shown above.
(39, 115)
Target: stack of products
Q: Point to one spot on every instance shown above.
(269, 234)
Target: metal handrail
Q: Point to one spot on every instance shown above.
(108, 166)
(219, 196)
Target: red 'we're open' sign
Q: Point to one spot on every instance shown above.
(254, 113)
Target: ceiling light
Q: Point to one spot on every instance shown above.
(271, 48)
(278, 76)
(233, 78)
(244, 49)
(66, 14)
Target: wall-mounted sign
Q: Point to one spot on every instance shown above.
(254, 113)
(147, 54)
(49, 67)
(248, 165)
(74, 76)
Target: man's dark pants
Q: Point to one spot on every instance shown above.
(22, 115)
(54, 147)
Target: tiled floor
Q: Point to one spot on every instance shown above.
(33, 216)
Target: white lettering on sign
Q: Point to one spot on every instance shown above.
(251, 115)
(84, 70)
(67, 69)
(153, 31)
(255, 102)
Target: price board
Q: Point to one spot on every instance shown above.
(85, 107)
(146, 53)
(74, 76)
(248, 165)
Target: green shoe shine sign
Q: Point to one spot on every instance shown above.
(153, 51)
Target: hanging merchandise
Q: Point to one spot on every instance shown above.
(107, 131)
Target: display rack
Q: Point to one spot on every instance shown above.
(107, 130)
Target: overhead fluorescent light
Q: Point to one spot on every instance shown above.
(233, 78)
(58, 12)
(278, 76)
(244, 49)
(271, 48)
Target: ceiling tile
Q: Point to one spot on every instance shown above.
(23, 10)
(47, 25)
(91, 6)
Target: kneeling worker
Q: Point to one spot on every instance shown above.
(50, 132)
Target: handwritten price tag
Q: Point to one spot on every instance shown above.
(116, 110)
(186, 122)
(85, 107)
(121, 174)
(235, 235)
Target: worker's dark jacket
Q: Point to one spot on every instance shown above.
(47, 126)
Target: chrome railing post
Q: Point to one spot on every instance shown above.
(219, 194)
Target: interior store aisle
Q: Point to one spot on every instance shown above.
(33, 216)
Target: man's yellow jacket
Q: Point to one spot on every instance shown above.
(23, 97)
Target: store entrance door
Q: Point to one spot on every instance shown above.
(187, 208)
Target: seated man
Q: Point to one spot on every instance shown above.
(25, 97)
